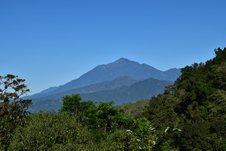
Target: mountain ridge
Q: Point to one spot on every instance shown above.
(106, 77)
(127, 93)
(120, 67)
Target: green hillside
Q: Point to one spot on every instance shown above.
(135, 108)
(196, 104)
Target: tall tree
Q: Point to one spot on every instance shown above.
(12, 107)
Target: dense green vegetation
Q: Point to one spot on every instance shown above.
(134, 108)
(85, 125)
(196, 103)
(12, 108)
(190, 115)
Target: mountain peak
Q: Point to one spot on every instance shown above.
(122, 60)
(119, 68)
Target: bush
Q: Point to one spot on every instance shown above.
(49, 131)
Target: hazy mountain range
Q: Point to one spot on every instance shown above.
(121, 81)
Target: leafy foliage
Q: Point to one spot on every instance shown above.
(196, 104)
(12, 108)
(134, 108)
(85, 125)
(101, 116)
(48, 131)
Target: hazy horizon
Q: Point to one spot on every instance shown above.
(51, 43)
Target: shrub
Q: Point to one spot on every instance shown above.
(48, 131)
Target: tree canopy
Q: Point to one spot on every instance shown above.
(12, 107)
(196, 104)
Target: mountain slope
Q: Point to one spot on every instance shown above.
(98, 84)
(139, 90)
(106, 85)
(111, 71)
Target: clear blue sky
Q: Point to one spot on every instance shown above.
(50, 42)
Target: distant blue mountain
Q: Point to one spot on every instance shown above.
(106, 85)
(106, 78)
(119, 68)
(140, 90)
(106, 91)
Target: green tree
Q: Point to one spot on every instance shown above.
(12, 107)
(71, 104)
(85, 111)
(108, 116)
(102, 116)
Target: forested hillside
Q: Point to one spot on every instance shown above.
(196, 104)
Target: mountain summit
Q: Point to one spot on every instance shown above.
(108, 79)
(121, 60)
(119, 68)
